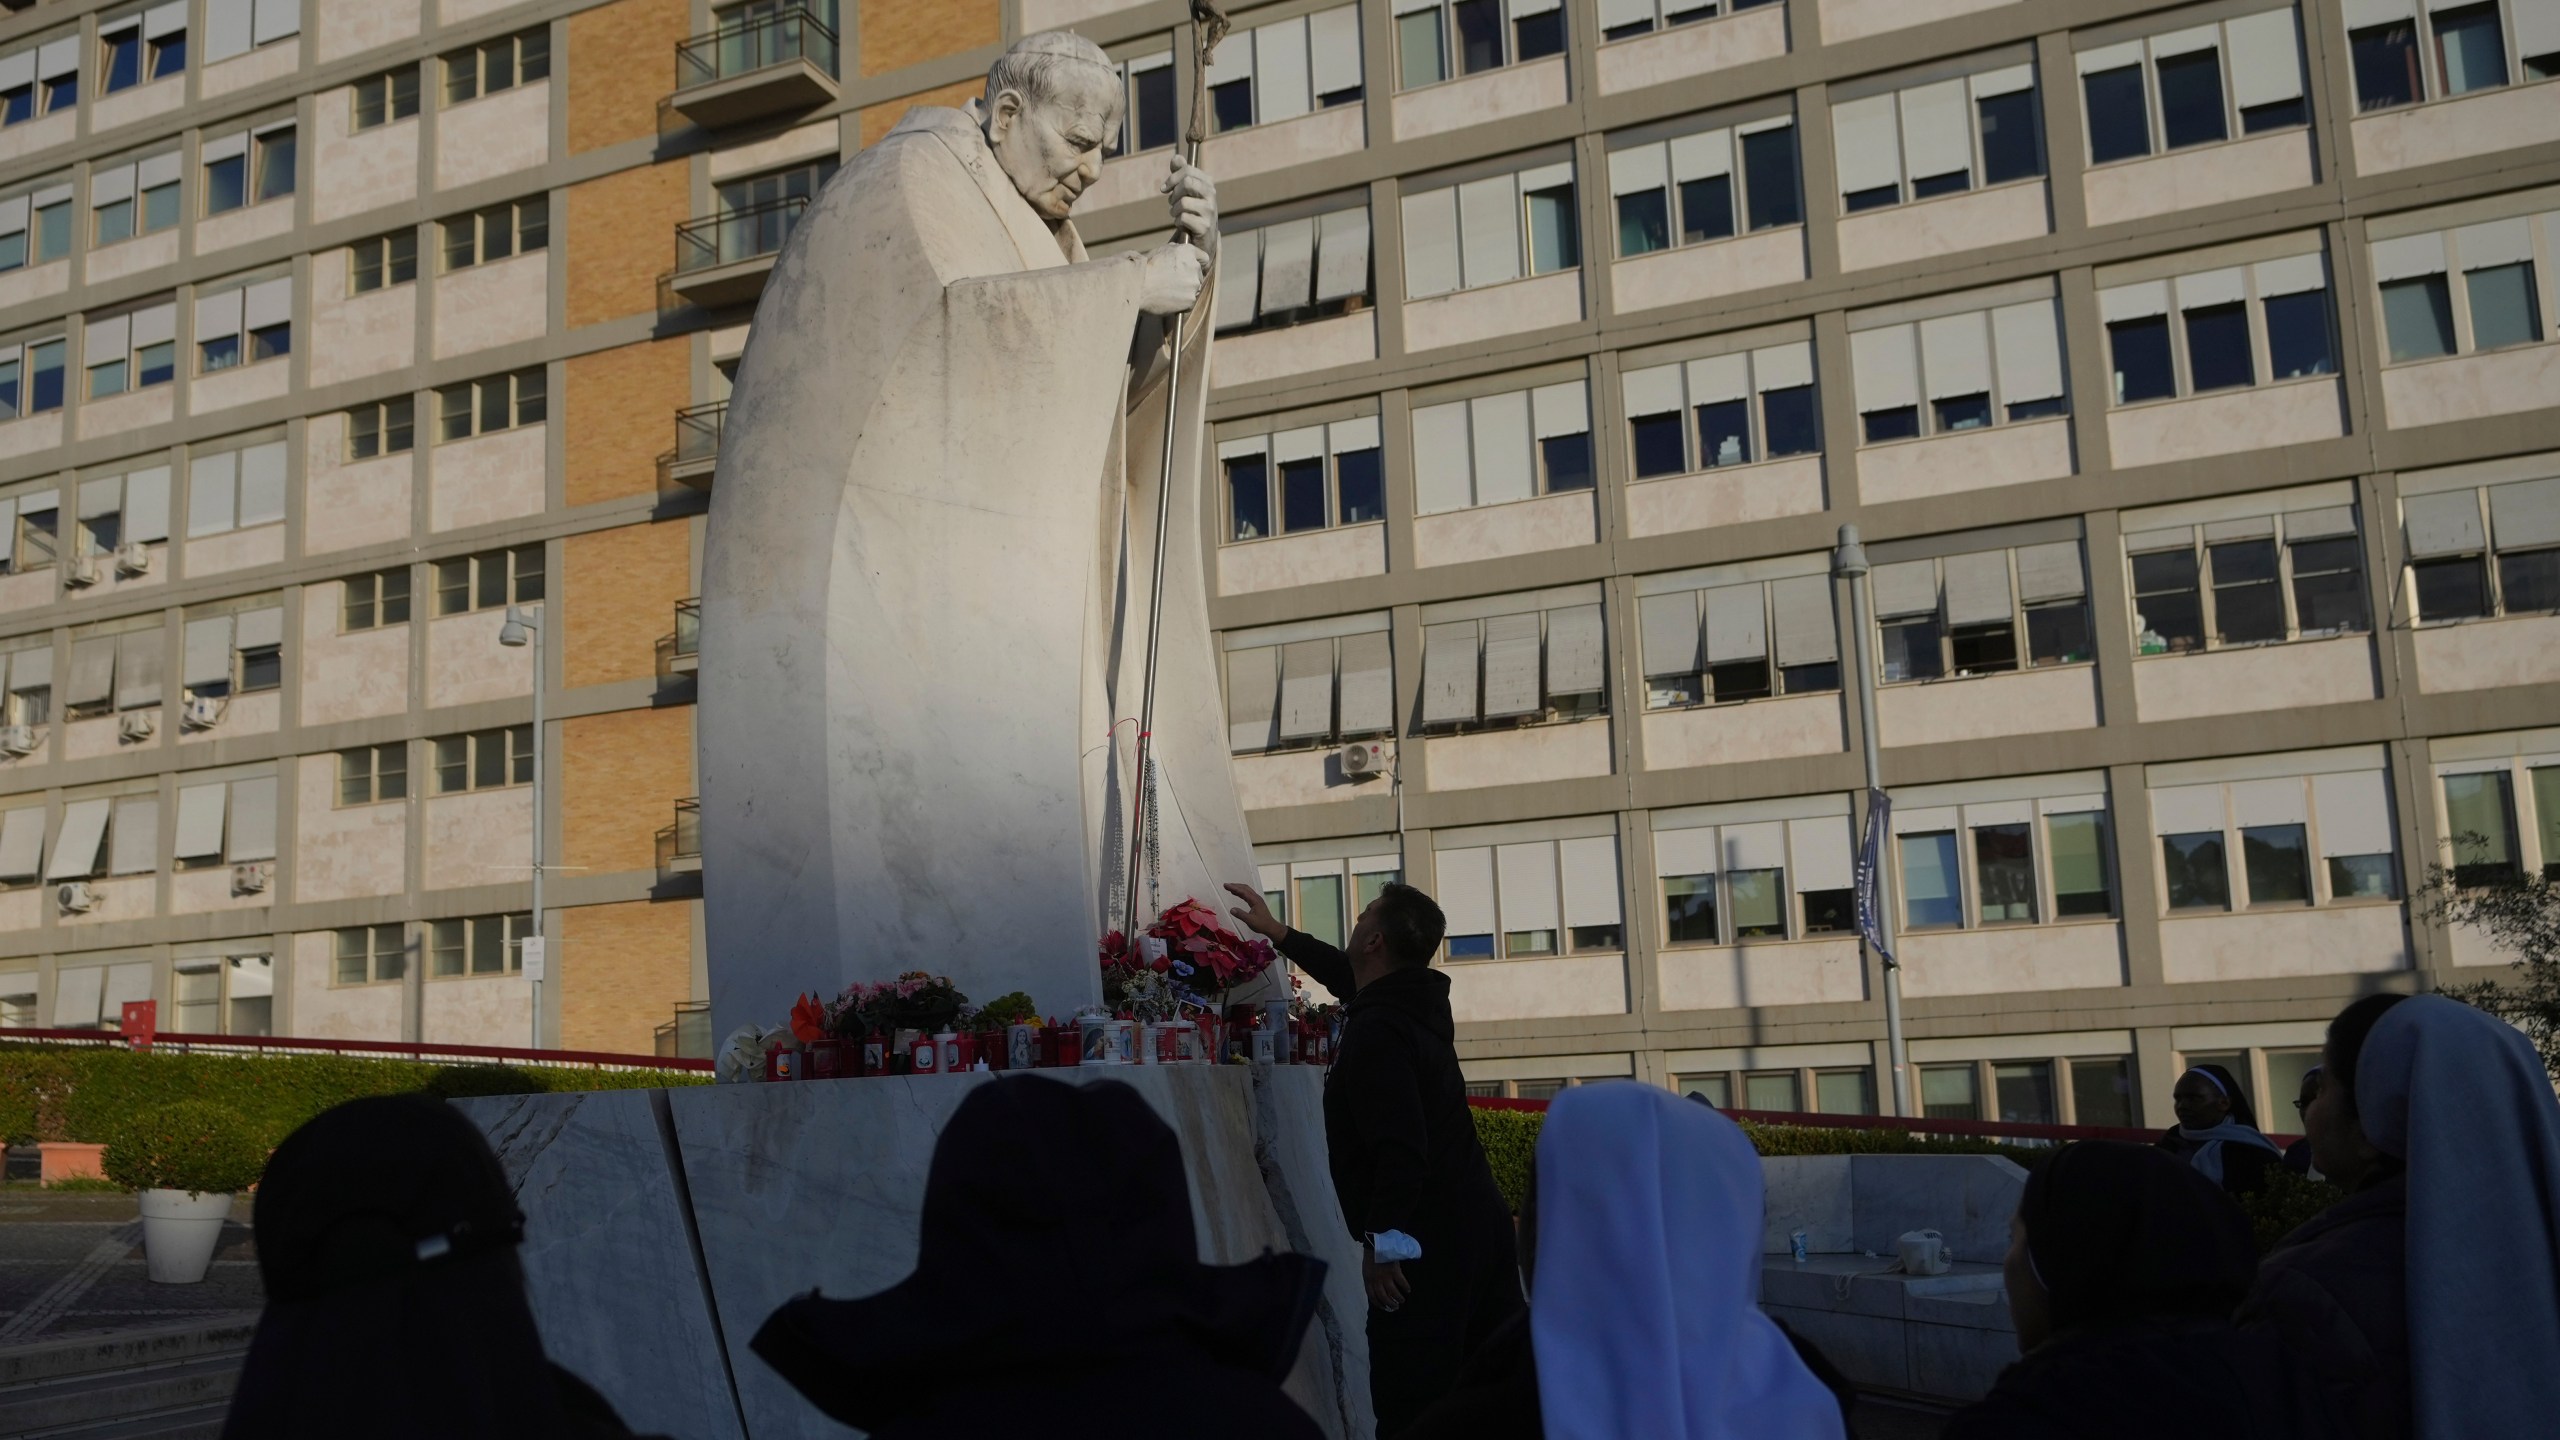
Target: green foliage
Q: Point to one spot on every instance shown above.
(1012, 1009)
(1510, 1140)
(58, 1092)
(2286, 1202)
(190, 1145)
(2517, 914)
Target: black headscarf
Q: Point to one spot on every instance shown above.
(1057, 1256)
(2122, 1232)
(395, 1307)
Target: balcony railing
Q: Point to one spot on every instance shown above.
(684, 649)
(761, 65)
(697, 450)
(680, 844)
(723, 259)
(688, 1035)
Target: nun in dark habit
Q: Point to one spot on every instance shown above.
(2123, 1269)
(396, 1309)
(2217, 1133)
(1040, 1187)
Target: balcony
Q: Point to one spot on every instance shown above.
(723, 259)
(751, 68)
(680, 844)
(681, 653)
(688, 1035)
(697, 450)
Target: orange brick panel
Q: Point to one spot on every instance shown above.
(897, 33)
(621, 64)
(619, 590)
(621, 774)
(619, 409)
(878, 120)
(622, 237)
(622, 970)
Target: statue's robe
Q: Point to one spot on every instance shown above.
(925, 598)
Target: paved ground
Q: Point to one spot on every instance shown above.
(72, 1262)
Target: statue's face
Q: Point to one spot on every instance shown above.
(1052, 149)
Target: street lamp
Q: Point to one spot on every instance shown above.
(1849, 563)
(524, 630)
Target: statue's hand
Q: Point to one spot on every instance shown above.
(1193, 198)
(1175, 273)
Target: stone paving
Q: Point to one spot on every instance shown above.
(72, 1261)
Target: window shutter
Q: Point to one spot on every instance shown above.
(56, 58)
(1305, 444)
(1956, 355)
(1449, 673)
(1368, 685)
(2145, 542)
(2212, 287)
(1489, 230)
(2134, 302)
(269, 302)
(108, 186)
(1349, 436)
(2254, 527)
(1253, 698)
(18, 68)
(1546, 177)
(262, 484)
(93, 671)
(2265, 67)
(1333, 39)
(2050, 572)
(1782, 367)
(2525, 514)
(2499, 242)
(2447, 523)
(1906, 587)
(133, 846)
(1652, 392)
(1978, 588)
(1528, 879)
(200, 810)
(1936, 138)
(1756, 847)
(2186, 42)
(75, 849)
(1886, 370)
(2108, 57)
(1670, 633)
(1465, 878)
(13, 216)
(146, 504)
(1280, 55)
(1440, 465)
(208, 652)
(2355, 813)
(76, 995)
(253, 819)
(1342, 253)
(227, 28)
(2323, 524)
(1306, 690)
(1867, 144)
(1638, 168)
(1590, 868)
(2408, 257)
(2537, 27)
(1821, 848)
(1806, 635)
(102, 497)
(2008, 80)
(217, 315)
(211, 501)
(1499, 427)
(1511, 666)
(126, 983)
(1431, 243)
(106, 340)
(1702, 156)
(154, 325)
(1288, 265)
(2186, 810)
(1718, 378)
(259, 629)
(1560, 410)
(168, 19)
(275, 19)
(2292, 275)
(1234, 61)
(1686, 852)
(1737, 627)
(140, 657)
(31, 669)
(1614, 13)
(2029, 345)
(1576, 651)
(1239, 275)
(2269, 802)
(2361, 13)
(22, 843)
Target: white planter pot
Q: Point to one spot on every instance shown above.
(179, 1230)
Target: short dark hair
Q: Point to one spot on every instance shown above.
(1410, 923)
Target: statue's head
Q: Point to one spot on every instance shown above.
(1053, 103)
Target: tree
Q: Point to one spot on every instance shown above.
(2517, 913)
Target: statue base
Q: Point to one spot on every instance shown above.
(663, 1226)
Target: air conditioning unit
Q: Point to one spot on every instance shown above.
(75, 897)
(133, 558)
(19, 739)
(1363, 760)
(83, 570)
(252, 879)
(138, 725)
(203, 712)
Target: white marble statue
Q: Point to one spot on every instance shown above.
(926, 584)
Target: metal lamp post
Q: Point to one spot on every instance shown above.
(524, 630)
(1849, 562)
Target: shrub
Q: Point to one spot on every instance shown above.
(2286, 1202)
(191, 1145)
(1510, 1140)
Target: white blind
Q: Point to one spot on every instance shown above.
(1822, 853)
(76, 995)
(261, 627)
(1670, 633)
(1511, 666)
(1334, 44)
(139, 662)
(93, 671)
(1576, 651)
(1736, 624)
(275, 19)
(133, 846)
(2264, 65)
(1288, 265)
(227, 28)
(1756, 847)
(1702, 156)
(253, 819)
(2049, 572)
(1590, 868)
(1489, 229)
(1686, 852)
(1956, 355)
(2408, 257)
(1342, 253)
(1466, 889)
(1528, 879)
(1886, 370)
(208, 652)
(1239, 278)
(1905, 587)
(1449, 673)
(75, 849)
(1654, 391)
(2212, 287)
(2030, 350)
(212, 498)
(2186, 810)
(1440, 466)
(1935, 137)
(2525, 514)
(269, 302)
(1253, 696)
(2269, 802)
(2497, 242)
(1280, 54)
(22, 843)
(200, 810)
(1806, 635)
(1368, 684)
(262, 474)
(1641, 168)
(1978, 588)
(2537, 27)
(1431, 243)
(2355, 813)
(1719, 378)
(2447, 523)
(1867, 144)
(1560, 410)
(1498, 425)
(1782, 367)
(1306, 690)
(217, 315)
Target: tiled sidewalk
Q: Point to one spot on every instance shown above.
(72, 1262)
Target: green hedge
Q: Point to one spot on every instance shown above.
(69, 1092)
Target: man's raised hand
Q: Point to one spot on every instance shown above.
(1256, 912)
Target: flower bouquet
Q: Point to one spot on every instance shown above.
(1194, 958)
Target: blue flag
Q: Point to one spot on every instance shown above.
(1871, 872)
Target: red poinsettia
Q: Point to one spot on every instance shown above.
(808, 1020)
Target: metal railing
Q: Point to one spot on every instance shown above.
(688, 1035)
(689, 627)
(737, 235)
(285, 1045)
(698, 432)
(680, 844)
(1917, 1125)
(757, 42)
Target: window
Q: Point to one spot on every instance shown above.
(2193, 87)
(2225, 320)
(1526, 666)
(2299, 839)
(1627, 19)
(1939, 139)
(496, 232)
(1488, 231)
(382, 427)
(131, 351)
(1284, 694)
(1963, 371)
(489, 579)
(1498, 448)
(138, 197)
(1759, 880)
(484, 760)
(40, 80)
(33, 529)
(1989, 863)
(370, 774)
(244, 324)
(478, 945)
(484, 407)
(199, 989)
(2404, 53)
(235, 489)
(496, 65)
(1287, 69)
(226, 824)
(1689, 190)
(2497, 302)
(1149, 119)
(1532, 899)
(2256, 580)
(375, 600)
(234, 27)
(235, 654)
(119, 510)
(368, 953)
(381, 99)
(2479, 813)
(1288, 272)
(2463, 569)
(1989, 620)
(381, 261)
(39, 364)
(247, 168)
(35, 228)
(1723, 410)
(1713, 645)
(1300, 480)
(1439, 39)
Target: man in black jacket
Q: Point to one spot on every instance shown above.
(1438, 1256)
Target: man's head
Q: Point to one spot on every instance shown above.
(1053, 102)
(1401, 927)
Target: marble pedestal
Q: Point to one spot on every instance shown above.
(663, 1226)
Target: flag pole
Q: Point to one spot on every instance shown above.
(1209, 26)
(1874, 900)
